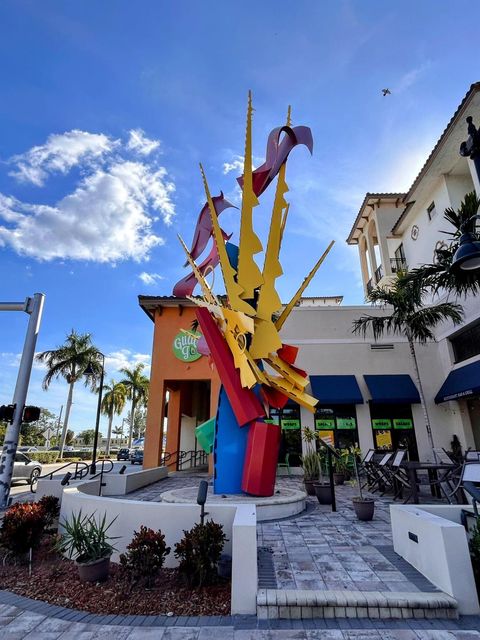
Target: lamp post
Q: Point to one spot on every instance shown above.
(467, 256)
(89, 371)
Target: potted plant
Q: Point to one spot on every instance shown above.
(310, 462)
(364, 507)
(323, 490)
(311, 470)
(88, 541)
(340, 466)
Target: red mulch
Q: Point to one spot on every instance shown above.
(55, 580)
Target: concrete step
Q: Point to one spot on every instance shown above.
(299, 604)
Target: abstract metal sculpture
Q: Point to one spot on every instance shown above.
(242, 332)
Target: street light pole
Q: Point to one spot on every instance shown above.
(97, 422)
(34, 307)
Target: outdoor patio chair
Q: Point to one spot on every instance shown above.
(381, 477)
(364, 468)
(472, 456)
(468, 486)
(442, 455)
(285, 464)
(398, 477)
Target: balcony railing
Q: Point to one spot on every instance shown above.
(379, 274)
(398, 264)
(369, 286)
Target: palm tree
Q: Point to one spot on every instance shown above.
(136, 384)
(409, 318)
(113, 402)
(439, 275)
(70, 361)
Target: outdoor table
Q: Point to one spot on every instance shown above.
(433, 468)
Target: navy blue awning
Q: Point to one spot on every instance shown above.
(392, 389)
(336, 390)
(460, 383)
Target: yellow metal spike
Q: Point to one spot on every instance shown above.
(288, 309)
(302, 398)
(289, 116)
(249, 276)
(288, 372)
(207, 292)
(233, 288)
(266, 339)
(284, 222)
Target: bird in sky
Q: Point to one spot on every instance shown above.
(386, 92)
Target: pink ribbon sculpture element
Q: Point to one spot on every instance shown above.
(276, 155)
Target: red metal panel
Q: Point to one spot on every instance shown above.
(245, 404)
(288, 353)
(261, 459)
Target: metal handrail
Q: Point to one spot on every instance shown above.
(101, 473)
(379, 274)
(180, 458)
(78, 474)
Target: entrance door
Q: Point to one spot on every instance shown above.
(393, 428)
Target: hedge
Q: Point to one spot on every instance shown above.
(44, 457)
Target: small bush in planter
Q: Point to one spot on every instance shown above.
(364, 507)
(145, 556)
(199, 553)
(51, 509)
(88, 542)
(23, 527)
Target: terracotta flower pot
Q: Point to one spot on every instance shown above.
(323, 493)
(309, 487)
(364, 508)
(95, 571)
(338, 478)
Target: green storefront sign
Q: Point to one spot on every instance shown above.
(402, 423)
(381, 423)
(274, 420)
(325, 423)
(185, 345)
(290, 424)
(346, 423)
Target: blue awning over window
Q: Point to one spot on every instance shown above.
(460, 383)
(336, 390)
(392, 389)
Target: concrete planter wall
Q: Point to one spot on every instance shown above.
(431, 538)
(239, 523)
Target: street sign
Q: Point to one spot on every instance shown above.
(48, 433)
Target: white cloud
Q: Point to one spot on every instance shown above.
(411, 77)
(236, 164)
(150, 278)
(59, 154)
(110, 213)
(105, 219)
(117, 360)
(139, 142)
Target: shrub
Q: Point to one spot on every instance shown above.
(23, 526)
(51, 509)
(145, 556)
(199, 552)
(44, 457)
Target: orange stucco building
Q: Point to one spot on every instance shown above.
(184, 386)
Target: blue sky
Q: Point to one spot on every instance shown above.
(107, 108)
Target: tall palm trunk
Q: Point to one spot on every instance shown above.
(132, 420)
(67, 416)
(422, 395)
(109, 433)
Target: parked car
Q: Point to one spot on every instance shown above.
(26, 469)
(28, 449)
(123, 454)
(136, 456)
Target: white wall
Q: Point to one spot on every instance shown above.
(187, 434)
(239, 523)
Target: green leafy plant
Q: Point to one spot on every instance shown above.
(199, 552)
(145, 556)
(51, 509)
(23, 527)
(311, 466)
(85, 538)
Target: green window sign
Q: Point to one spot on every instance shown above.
(290, 424)
(346, 423)
(325, 423)
(402, 423)
(274, 420)
(185, 345)
(381, 423)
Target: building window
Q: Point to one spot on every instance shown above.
(337, 424)
(398, 263)
(431, 211)
(466, 344)
(393, 428)
(291, 433)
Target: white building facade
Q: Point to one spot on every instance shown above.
(367, 390)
